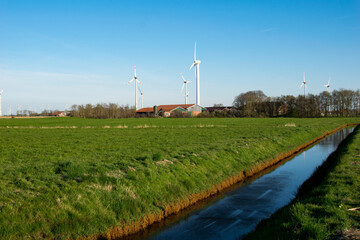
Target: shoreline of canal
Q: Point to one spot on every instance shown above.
(315, 196)
(174, 208)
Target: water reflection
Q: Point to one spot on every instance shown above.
(240, 210)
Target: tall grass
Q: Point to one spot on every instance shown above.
(65, 177)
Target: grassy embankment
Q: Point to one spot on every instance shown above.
(62, 178)
(321, 209)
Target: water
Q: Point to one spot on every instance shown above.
(239, 210)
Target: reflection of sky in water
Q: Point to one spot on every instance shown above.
(240, 210)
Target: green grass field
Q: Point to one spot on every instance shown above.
(65, 177)
(322, 212)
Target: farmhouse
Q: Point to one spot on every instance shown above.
(60, 114)
(168, 110)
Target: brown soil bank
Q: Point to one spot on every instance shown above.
(173, 208)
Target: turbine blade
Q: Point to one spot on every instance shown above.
(140, 90)
(139, 82)
(192, 66)
(301, 85)
(182, 77)
(130, 81)
(182, 87)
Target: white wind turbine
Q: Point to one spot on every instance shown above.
(328, 89)
(136, 82)
(0, 101)
(141, 97)
(328, 86)
(304, 84)
(186, 90)
(196, 63)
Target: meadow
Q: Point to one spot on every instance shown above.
(327, 204)
(69, 177)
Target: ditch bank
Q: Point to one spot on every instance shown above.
(173, 208)
(325, 205)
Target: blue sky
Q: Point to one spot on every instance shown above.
(58, 53)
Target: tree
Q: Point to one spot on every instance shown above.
(249, 102)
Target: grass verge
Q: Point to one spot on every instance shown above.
(326, 206)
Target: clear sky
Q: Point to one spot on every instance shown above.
(62, 52)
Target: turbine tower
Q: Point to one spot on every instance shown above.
(186, 89)
(141, 97)
(136, 82)
(304, 84)
(196, 63)
(0, 101)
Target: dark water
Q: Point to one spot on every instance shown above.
(237, 212)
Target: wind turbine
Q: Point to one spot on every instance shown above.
(328, 89)
(136, 81)
(328, 86)
(196, 63)
(0, 101)
(141, 97)
(304, 84)
(186, 90)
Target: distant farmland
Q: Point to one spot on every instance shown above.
(65, 178)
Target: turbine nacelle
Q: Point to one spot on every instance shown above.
(327, 85)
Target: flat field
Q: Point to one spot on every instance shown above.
(65, 178)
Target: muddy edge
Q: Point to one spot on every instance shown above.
(173, 208)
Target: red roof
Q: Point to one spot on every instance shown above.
(145, 110)
(170, 107)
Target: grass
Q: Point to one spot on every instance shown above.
(65, 178)
(321, 209)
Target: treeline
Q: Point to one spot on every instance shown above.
(340, 103)
(104, 110)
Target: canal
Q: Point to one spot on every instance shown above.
(235, 213)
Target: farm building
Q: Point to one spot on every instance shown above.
(168, 110)
(60, 114)
(145, 112)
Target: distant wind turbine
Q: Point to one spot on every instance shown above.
(19, 110)
(141, 97)
(196, 63)
(328, 89)
(136, 82)
(186, 90)
(0, 101)
(328, 86)
(304, 84)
